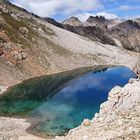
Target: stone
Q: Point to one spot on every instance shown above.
(2, 89)
(86, 122)
(8, 45)
(5, 10)
(14, 16)
(132, 80)
(24, 30)
(24, 55)
(18, 57)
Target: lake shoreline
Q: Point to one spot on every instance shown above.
(34, 123)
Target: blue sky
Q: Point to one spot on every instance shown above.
(62, 9)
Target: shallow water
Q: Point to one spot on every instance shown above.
(61, 101)
(79, 99)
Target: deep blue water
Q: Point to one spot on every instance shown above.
(77, 100)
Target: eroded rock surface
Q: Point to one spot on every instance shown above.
(10, 127)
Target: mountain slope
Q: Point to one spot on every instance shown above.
(30, 47)
(109, 31)
(128, 32)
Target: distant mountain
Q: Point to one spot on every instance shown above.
(97, 20)
(73, 21)
(124, 33)
(137, 19)
(128, 33)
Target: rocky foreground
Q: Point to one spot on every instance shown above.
(118, 119)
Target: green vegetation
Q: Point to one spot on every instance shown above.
(47, 30)
(12, 28)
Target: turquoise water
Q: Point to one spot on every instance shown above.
(61, 101)
(79, 99)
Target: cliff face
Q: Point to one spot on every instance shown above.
(118, 119)
(128, 33)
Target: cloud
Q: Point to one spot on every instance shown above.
(128, 7)
(107, 15)
(47, 8)
(135, 17)
(84, 16)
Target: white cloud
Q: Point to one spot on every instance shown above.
(134, 17)
(84, 16)
(128, 7)
(53, 7)
(107, 15)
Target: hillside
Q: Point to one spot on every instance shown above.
(30, 46)
(122, 33)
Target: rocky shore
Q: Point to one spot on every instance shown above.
(2, 89)
(118, 119)
(12, 128)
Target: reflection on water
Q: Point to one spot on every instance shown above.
(79, 99)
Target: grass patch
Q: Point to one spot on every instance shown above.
(12, 28)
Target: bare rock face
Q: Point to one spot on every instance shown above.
(92, 32)
(118, 119)
(52, 21)
(11, 53)
(73, 21)
(137, 69)
(97, 20)
(128, 33)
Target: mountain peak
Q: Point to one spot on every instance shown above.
(129, 25)
(96, 18)
(73, 21)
